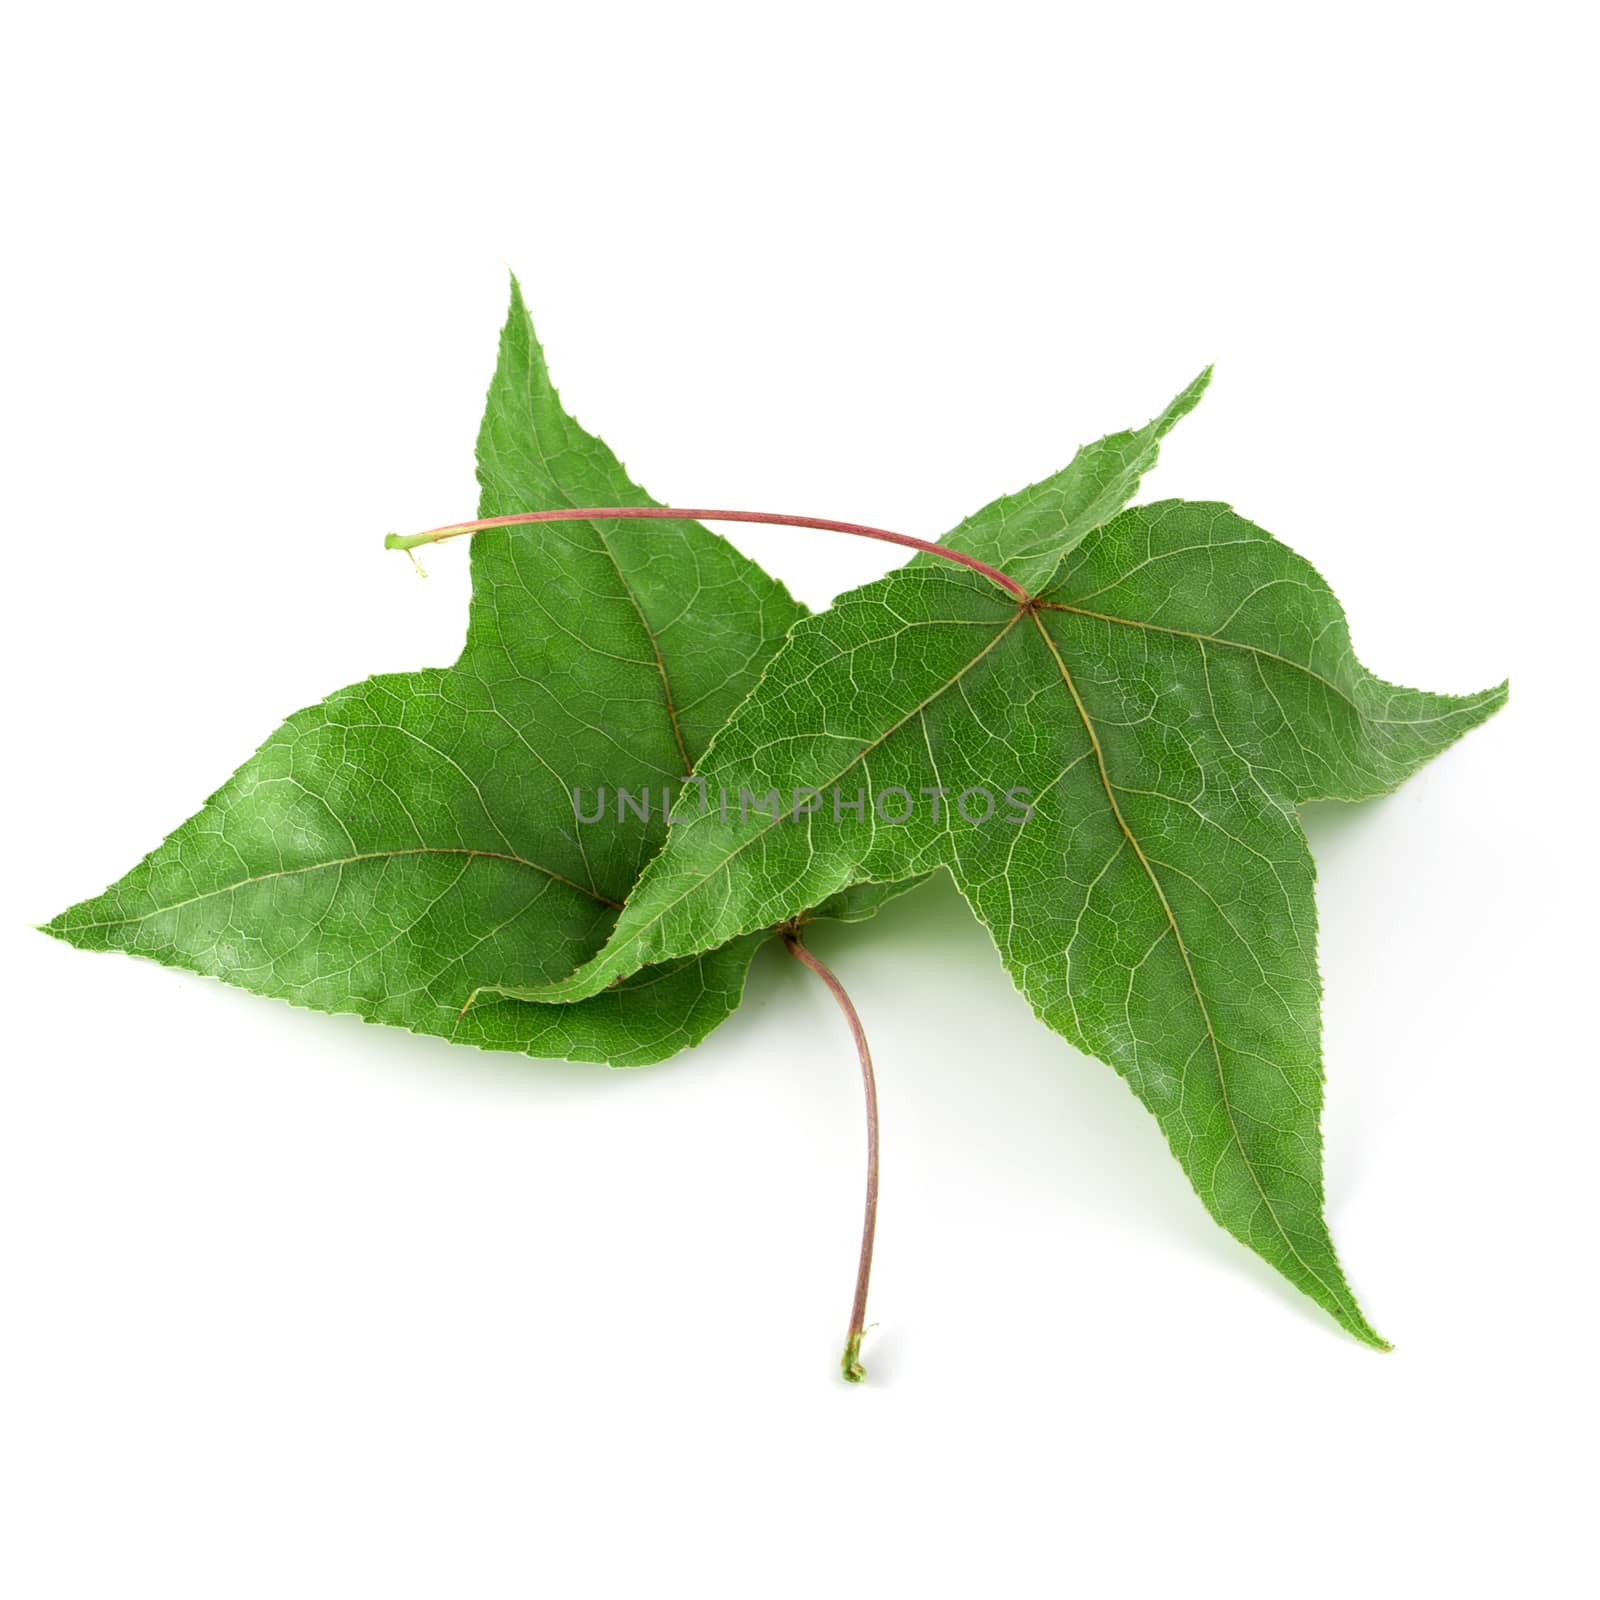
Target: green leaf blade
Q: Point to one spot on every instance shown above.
(1193, 590)
(706, 616)
(414, 837)
(1190, 967)
(356, 865)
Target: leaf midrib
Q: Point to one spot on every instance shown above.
(1188, 965)
(1215, 638)
(611, 556)
(860, 755)
(351, 860)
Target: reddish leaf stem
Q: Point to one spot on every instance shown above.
(850, 1365)
(455, 530)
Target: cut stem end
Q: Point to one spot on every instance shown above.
(850, 1365)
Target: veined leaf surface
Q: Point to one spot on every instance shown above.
(414, 835)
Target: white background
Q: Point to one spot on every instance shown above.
(294, 1306)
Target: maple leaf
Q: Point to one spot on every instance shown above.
(418, 836)
(1178, 684)
(413, 836)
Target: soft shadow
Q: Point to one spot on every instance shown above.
(385, 1051)
(956, 1044)
(1332, 826)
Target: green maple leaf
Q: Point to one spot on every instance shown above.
(1179, 684)
(413, 836)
